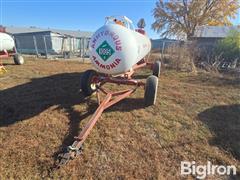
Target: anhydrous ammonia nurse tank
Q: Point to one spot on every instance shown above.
(116, 47)
(6, 42)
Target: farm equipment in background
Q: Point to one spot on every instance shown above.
(8, 48)
(117, 50)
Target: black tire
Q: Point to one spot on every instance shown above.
(151, 87)
(18, 59)
(157, 68)
(88, 88)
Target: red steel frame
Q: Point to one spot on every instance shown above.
(3, 54)
(110, 99)
(6, 54)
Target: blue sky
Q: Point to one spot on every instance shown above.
(83, 15)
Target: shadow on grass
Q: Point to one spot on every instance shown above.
(127, 105)
(9, 64)
(28, 100)
(224, 122)
(25, 101)
(208, 79)
(141, 76)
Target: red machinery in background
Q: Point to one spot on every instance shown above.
(8, 48)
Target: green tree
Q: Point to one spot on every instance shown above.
(229, 47)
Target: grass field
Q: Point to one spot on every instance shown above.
(196, 118)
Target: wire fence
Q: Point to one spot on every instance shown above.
(52, 45)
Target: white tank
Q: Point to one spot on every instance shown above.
(114, 48)
(6, 42)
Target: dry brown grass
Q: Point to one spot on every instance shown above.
(195, 118)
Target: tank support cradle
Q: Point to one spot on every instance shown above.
(3, 54)
(110, 99)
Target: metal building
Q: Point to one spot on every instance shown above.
(208, 36)
(51, 42)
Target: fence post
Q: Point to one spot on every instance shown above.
(163, 47)
(17, 44)
(35, 45)
(45, 45)
(71, 46)
(84, 49)
(74, 45)
(80, 47)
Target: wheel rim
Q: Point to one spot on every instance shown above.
(21, 60)
(93, 86)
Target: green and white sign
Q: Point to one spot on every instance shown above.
(105, 51)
